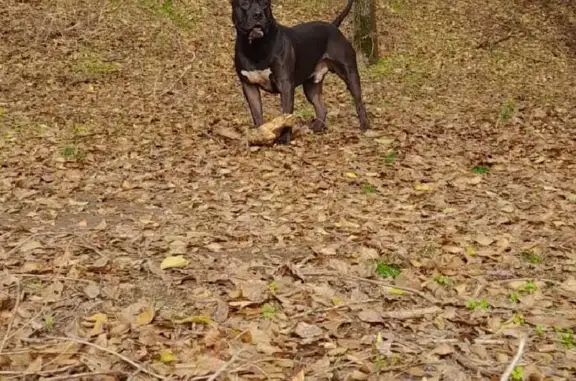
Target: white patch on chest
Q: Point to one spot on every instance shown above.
(320, 71)
(258, 77)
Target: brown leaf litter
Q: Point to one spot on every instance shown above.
(141, 238)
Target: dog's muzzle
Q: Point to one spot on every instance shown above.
(256, 32)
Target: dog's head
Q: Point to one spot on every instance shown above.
(252, 18)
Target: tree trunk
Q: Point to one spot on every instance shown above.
(365, 32)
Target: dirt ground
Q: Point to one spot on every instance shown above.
(141, 238)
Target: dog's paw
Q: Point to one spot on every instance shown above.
(285, 137)
(317, 126)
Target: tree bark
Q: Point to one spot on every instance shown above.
(365, 31)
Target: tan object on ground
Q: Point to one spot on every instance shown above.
(268, 132)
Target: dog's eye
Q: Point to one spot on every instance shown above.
(245, 4)
(265, 3)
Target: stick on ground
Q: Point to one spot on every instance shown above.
(122, 357)
(515, 361)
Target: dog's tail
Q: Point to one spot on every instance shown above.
(338, 20)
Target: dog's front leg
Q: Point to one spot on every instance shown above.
(252, 95)
(286, 89)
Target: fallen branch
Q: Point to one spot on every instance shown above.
(80, 375)
(333, 308)
(122, 357)
(225, 366)
(515, 360)
(214, 376)
(410, 314)
(491, 44)
(429, 298)
(12, 318)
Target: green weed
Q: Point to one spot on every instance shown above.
(386, 270)
(480, 169)
(566, 337)
(390, 157)
(517, 374)
(531, 257)
(507, 110)
(369, 188)
(442, 280)
(273, 286)
(168, 10)
(268, 311)
(481, 304)
(514, 297)
(529, 288)
(92, 63)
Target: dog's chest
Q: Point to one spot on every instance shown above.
(260, 78)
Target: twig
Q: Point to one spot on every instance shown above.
(51, 277)
(219, 371)
(20, 244)
(23, 373)
(186, 70)
(401, 288)
(122, 357)
(79, 375)
(410, 314)
(333, 308)
(12, 318)
(515, 360)
(490, 44)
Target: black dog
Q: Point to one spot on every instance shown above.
(277, 59)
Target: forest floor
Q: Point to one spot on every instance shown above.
(427, 249)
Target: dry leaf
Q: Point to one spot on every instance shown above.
(308, 331)
(370, 316)
(177, 261)
(299, 376)
(92, 290)
(483, 240)
(146, 316)
(29, 246)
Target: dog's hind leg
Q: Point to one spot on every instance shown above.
(343, 63)
(313, 93)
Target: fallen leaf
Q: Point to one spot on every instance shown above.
(177, 261)
(167, 356)
(198, 319)
(145, 317)
(29, 246)
(92, 290)
(351, 175)
(483, 240)
(370, 316)
(307, 331)
(35, 366)
(299, 376)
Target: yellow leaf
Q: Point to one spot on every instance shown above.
(396, 291)
(470, 251)
(173, 262)
(337, 301)
(422, 187)
(146, 316)
(167, 356)
(200, 319)
(351, 175)
(98, 320)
